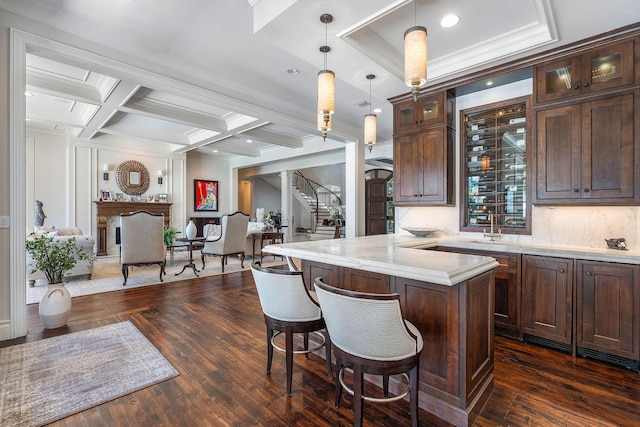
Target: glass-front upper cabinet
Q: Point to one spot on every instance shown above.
(596, 69)
(426, 111)
(494, 153)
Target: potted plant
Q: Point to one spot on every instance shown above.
(55, 257)
(170, 233)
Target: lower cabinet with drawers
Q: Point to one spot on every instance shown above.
(587, 308)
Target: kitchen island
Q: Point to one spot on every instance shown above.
(447, 296)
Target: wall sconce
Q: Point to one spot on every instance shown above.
(105, 172)
(160, 177)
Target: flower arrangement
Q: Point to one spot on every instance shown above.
(54, 257)
(337, 213)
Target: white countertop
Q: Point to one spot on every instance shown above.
(400, 255)
(391, 254)
(576, 252)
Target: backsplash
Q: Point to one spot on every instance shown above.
(572, 226)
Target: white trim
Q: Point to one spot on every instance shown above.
(17, 185)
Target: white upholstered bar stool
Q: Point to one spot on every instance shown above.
(370, 336)
(289, 308)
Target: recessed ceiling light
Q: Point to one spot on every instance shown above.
(215, 151)
(489, 83)
(28, 94)
(249, 141)
(377, 110)
(449, 21)
(293, 71)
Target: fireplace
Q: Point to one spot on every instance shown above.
(108, 209)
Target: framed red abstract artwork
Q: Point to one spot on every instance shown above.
(205, 195)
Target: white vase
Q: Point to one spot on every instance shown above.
(191, 230)
(55, 306)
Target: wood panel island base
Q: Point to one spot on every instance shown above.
(448, 297)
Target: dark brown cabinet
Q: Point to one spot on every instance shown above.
(423, 150)
(424, 168)
(587, 153)
(427, 111)
(506, 310)
(604, 68)
(547, 296)
(608, 306)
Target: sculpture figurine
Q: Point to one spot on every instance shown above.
(40, 216)
(618, 243)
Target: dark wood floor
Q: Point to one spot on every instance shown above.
(212, 331)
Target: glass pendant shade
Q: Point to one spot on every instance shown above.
(415, 58)
(326, 93)
(370, 130)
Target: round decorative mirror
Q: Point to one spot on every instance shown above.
(132, 178)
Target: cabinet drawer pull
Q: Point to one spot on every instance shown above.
(586, 190)
(586, 84)
(577, 86)
(575, 190)
(561, 270)
(588, 273)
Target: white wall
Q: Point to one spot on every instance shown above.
(576, 226)
(265, 196)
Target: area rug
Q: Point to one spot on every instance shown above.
(47, 380)
(107, 275)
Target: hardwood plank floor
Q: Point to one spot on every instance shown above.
(212, 331)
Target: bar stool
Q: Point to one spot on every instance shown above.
(370, 336)
(289, 307)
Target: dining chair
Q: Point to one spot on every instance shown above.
(142, 241)
(231, 241)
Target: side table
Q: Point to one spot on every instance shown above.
(190, 242)
(270, 236)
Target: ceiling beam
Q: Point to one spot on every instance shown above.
(145, 133)
(234, 146)
(172, 113)
(67, 89)
(120, 94)
(276, 138)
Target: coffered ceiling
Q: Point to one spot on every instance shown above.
(234, 56)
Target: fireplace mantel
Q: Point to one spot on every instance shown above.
(106, 209)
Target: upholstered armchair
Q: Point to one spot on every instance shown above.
(141, 241)
(232, 239)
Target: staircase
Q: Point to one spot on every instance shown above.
(317, 198)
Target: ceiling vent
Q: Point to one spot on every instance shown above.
(362, 103)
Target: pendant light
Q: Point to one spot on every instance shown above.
(415, 57)
(370, 120)
(326, 80)
(324, 127)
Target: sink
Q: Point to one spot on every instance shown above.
(491, 242)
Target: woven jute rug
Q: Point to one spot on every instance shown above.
(47, 380)
(107, 275)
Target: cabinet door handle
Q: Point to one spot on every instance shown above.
(586, 190)
(575, 190)
(577, 86)
(588, 273)
(586, 84)
(561, 270)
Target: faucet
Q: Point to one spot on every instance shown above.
(491, 235)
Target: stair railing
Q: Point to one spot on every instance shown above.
(310, 188)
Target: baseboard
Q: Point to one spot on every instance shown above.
(5, 330)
